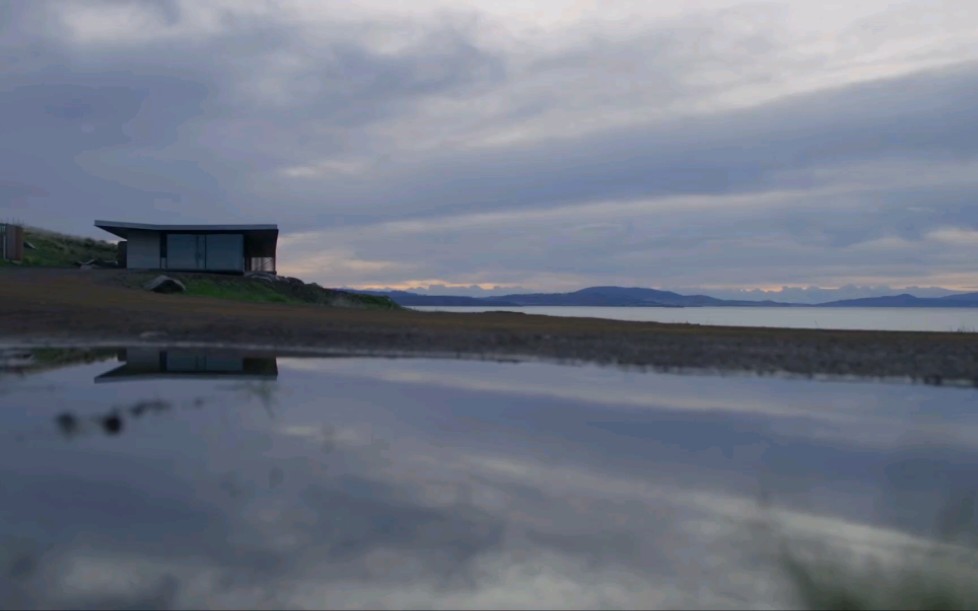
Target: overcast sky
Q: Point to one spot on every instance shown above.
(550, 144)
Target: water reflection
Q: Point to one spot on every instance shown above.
(146, 363)
(422, 483)
(25, 361)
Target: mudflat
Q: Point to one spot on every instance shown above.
(69, 306)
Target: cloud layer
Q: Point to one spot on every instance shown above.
(709, 144)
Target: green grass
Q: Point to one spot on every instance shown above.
(382, 303)
(57, 250)
(931, 581)
(938, 570)
(236, 289)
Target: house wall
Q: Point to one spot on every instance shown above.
(185, 251)
(143, 250)
(11, 242)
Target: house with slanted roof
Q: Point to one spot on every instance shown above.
(195, 248)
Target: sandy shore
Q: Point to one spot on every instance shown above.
(70, 306)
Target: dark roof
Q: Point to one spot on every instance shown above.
(122, 229)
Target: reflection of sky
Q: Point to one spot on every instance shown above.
(418, 483)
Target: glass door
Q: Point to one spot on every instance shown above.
(185, 251)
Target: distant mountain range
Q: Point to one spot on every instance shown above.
(905, 300)
(616, 296)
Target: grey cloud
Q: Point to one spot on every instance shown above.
(198, 102)
(263, 120)
(925, 116)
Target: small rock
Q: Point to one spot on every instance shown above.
(112, 424)
(68, 423)
(165, 284)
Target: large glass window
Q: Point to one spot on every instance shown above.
(219, 252)
(184, 251)
(225, 252)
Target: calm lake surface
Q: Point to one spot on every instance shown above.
(876, 319)
(198, 479)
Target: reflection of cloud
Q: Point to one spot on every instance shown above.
(440, 495)
(842, 411)
(653, 547)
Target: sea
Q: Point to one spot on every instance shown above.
(870, 319)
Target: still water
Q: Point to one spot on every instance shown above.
(873, 319)
(185, 479)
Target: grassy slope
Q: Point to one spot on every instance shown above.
(238, 288)
(58, 250)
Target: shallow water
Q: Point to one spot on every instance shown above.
(181, 479)
(868, 319)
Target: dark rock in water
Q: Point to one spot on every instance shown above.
(67, 423)
(112, 424)
(165, 284)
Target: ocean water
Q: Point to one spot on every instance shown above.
(875, 319)
(170, 478)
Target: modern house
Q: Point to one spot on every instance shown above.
(195, 248)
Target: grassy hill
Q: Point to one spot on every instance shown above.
(257, 290)
(51, 249)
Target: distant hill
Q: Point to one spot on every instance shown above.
(608, 296)
(905, 300)
(617, 296)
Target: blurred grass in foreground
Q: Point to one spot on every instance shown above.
(938, 573)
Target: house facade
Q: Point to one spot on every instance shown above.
(196, 248)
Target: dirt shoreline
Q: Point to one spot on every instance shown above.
(73, 306)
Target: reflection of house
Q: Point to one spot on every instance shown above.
(155, 363)
(196, 248)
